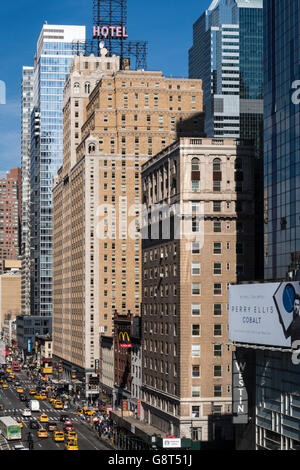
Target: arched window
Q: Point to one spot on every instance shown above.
(217, 164)
(195, 164)
(92, 148)
(217, 175)
(87, 87)
(195, 176)
(76, 88)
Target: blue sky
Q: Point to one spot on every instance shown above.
(165, 24)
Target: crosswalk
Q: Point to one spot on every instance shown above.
(53, 416)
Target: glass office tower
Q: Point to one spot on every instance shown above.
(51, 65)
(282, 138)
(26, 110)
(227, 54)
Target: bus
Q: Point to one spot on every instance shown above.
(10, 428)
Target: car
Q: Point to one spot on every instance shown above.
(63, 418)
(9, 379)
(71, 445)
(26, 412)
(80, 412)
(43, 396)
(42, 433)
(33, 424)
(32, 392)
(68, 422)
(52, 426)
(20, 447)
(37, 397)
(89, 412)
(22, 397)
(5, 385)
(20, 390)
(20, 422)
(68, 428)
(44, 418)
(71, 436)
(58, 436)
(58, 405)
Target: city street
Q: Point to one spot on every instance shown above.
(13, 406)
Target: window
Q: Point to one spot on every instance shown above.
(217, 289)
(195, 288)
(216, 186)
(196, 391)
(218, 330)
(196, 269)
(195, 411)
(195, 350)
(196, 330)
(195, 371)
(195, 248)
(195, 164)
(217, 248)
(218, 371)
(217, 309)
(196, 310)
(217, 390)
(217, 350)
(217, 226)
(217, 164)
(217, 206)
(217, 269)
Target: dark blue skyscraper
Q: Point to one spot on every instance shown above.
(281, 138)
(227, 54)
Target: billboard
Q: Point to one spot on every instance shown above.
(266, 313)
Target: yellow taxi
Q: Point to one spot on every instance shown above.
(44, 418)
(58, 405)
(20, 422)
(1, 381)
(20, 390)
(5, 385)
(71, 445)
(71, 436)
(51, 399)
(43, 397)
(58, 436)
(80, 412)
(32, 392)
(12, 376)
(37, 397)
(42, 433)
(89, 412)
(8, 370)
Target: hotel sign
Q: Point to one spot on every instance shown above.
(105, 32)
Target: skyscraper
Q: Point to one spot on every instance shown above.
(54, 54)
(227, 55)
(26, 109)
(282, 141)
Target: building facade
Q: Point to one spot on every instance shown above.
(187, 266)
(26, 110)
(10, 216)
(281, 147)
(130, 115)
(53, 57)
